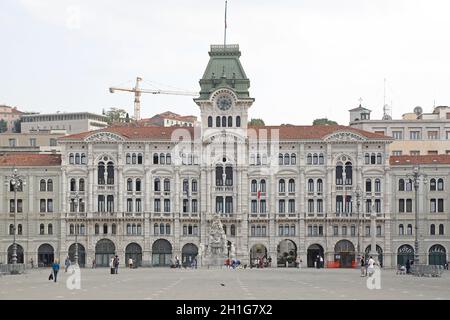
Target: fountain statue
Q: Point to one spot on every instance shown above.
(217, 250)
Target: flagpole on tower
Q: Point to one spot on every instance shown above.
(225, 30)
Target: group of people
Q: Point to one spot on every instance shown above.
(367, 266)
(176, 263)
(261, 262)
(114, 264)
(232, 263)
(318, 262)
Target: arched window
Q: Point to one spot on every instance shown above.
(433, 184)
(155, 158)
(129, 230)
(280, 159)
(348, 173)
(230, 121)
(133, 229)
(97, 228)
(185, 185)
(401, 230)
(372, 158)
(218, 122)
(71, 229)
(281, 186)
(209, 122)
(253, 186)
(50, 185)
(321, 160)
(401, 185)
(72, 185)
(41, 228)
(71, 161)
(81, 184)
(19, 229)
(138, 184)
(441, 229)
(77, 158)
(42, 185)
(161, 228)
(238, 121)
(293, 158)
(263, 185)
(139, 158)
(133, 158)
(11, 229)
(319, 185)
(105, 228)
(224, 121)
(194, 185)
(167, 228)
(233, 230)
(252, 160)
(50, 228)
(379, 158)
(309, 159)
(315, 158)
(219, 175)
(168, 158)
(162, 158)
(83, 158)
(110, 173)
(228, 175)
(113, 228)
(139, 229)
(291, 185)
(155, 229)
(408, 185)
(129, 184)
(368, 185)
(258, 159)
(367, 158)
(286, 159)
(166, 185)
(310, 185)
(409, 229)
(440, 184)
(432, 229)
(377, 185)
(157, 185)
(339, 171)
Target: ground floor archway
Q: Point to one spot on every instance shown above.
(81, 254)
(188, 254)
(405, 253)
(161, 253)
(286, 253)
(314, 251)
(133, 251)
(379, 251)
(19, 253)
(104, 251)
(437, 255)
(344, 254)
(46, 255)
(257, 252)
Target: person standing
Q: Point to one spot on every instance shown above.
(130, 263)
(32, 263)
(93, 264)
(55, 269)
(111, 265)
(66, 264)
(116, 264)
(408, 266)
(363, 267)
(370, 266)
(320, 262)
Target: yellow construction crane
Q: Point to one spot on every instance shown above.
(137, 94)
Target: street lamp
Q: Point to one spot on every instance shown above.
(358, 204)
(17, 182)
(416, 180)
(373, 227)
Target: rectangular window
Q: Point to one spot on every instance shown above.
(315, 231)
(408, 205)
(194, 205)
(263, 231)
(335, 230)
(367, 231)
(414, 135)
(49, 205)
(378, 231)
(263, 206)
(320, 230)
(414, 153)
(344, 230)
(440, 205)
(447, 134)
(52, 142)
(310, 231)
(397, 153)
(42, 205)
(311, 206)
(254, 206)
(157, 205)
(19, 205)
(433, 205)
(12, 207)
(12, 142)
(281, 206)
(138, 205)
(352, 231)
(185, 205)
(401, 205)
(129, 205)
(319, 205)
(32, 142)
(432, 152)
(433, 135)
(166, 205)
(291, 206)
(398, 135)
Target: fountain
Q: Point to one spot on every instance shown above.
(216, 250)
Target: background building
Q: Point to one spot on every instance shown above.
(10, 115)
(168, 118)
(44, 141)
(417, 133)
(71, 122)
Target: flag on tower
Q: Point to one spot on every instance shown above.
(226, 14)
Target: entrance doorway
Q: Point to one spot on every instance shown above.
(437, 255)
(287, 252)
(104, 251)
(161, 253)
(314, 250)
(81, 254)
(133, 251)
(344, 253)
(258, 251)
(45, 255)
(188, 254)
(405, 253)
(19, 252)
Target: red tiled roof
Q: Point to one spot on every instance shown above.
(286, 132)
(29, 159)
(425, 159)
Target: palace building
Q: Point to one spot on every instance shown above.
(281, 192)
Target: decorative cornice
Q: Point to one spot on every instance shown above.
(104, 137)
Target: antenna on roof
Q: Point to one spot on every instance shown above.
(225, 30)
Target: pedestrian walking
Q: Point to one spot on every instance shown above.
(111, 265)
(321, 262)
(408, 266)
(66, 264)
(363, 267)
(116, 265)
(94, 265)
(130, 263)
(32, 263)
(370, 266)
(55, 269)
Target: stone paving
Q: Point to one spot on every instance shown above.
(223, 284)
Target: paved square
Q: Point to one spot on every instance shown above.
(165, 283)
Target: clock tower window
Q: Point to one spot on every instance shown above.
(218, 122)
(210, 122)
(224, 121)
(238, 121)
(230, 121)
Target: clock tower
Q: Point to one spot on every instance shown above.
(224, 98)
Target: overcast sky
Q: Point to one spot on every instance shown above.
(305, 59)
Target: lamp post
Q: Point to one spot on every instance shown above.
(77, 228)
(373, 227)
(17, 182)
(358, 204)
(416, 180)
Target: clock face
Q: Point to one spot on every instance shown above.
(224, 102)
